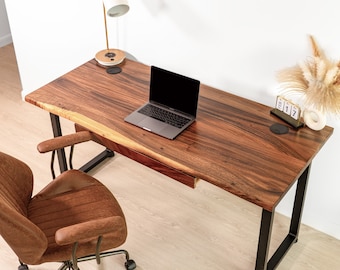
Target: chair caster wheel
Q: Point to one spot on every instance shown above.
(23, 267)
(130, 265)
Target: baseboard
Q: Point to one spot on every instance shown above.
(5, 40)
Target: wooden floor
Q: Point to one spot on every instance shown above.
(170, 225)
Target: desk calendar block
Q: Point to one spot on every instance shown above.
(287, 107)
(280, 103)
(295, 112)
(288, 111)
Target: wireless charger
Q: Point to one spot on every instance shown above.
(114, 70)
(279, 128)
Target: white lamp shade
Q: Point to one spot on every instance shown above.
(116, 8)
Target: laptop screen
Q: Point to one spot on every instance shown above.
(174, 90)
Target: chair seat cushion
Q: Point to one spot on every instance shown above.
(74, 198)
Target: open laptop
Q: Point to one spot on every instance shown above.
(172, 104)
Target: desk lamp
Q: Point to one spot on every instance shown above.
(111, 57)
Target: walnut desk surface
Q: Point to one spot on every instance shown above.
(230, 145)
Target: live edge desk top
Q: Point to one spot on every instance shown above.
(230, 145)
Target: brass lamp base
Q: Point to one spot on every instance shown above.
(110, 57)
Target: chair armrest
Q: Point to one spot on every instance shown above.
(64, 141)
(88, 230)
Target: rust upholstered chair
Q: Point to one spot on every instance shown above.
(74, 218)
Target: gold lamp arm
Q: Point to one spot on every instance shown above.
(105, 23)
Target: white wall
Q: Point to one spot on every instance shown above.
(51, 39)
(5, 32)
(236, 46)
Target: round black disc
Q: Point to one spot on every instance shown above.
(113, 70)
(279, 129)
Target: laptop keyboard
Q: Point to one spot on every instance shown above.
(164, 115)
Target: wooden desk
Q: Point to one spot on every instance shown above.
(230, 145)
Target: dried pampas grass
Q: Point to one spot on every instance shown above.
(317, 79)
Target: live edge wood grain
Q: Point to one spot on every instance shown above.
(143, 159)
(230, 145)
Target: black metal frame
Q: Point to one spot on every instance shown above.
(262, 262)
(56, 128)
(292, 236)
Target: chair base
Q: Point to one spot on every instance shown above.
(129, 264)
(67, 265)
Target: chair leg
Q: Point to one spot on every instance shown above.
(74, 256)
(66, 266)
(129, 264)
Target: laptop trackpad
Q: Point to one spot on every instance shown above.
(151, 124)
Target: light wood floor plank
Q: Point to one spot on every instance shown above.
(170, 225)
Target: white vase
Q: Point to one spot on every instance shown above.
(314, 119)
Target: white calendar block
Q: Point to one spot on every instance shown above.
(287, 108)
(280, 103)
(295, 112)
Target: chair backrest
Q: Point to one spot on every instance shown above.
(16, 186)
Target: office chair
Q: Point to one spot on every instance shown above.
(74, 218)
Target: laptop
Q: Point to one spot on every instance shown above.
(172, 104)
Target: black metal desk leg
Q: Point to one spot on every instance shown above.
(264, 240)
(292, 236)
(55, 121)
(298, 203)
(56, 127)
(97, 160)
